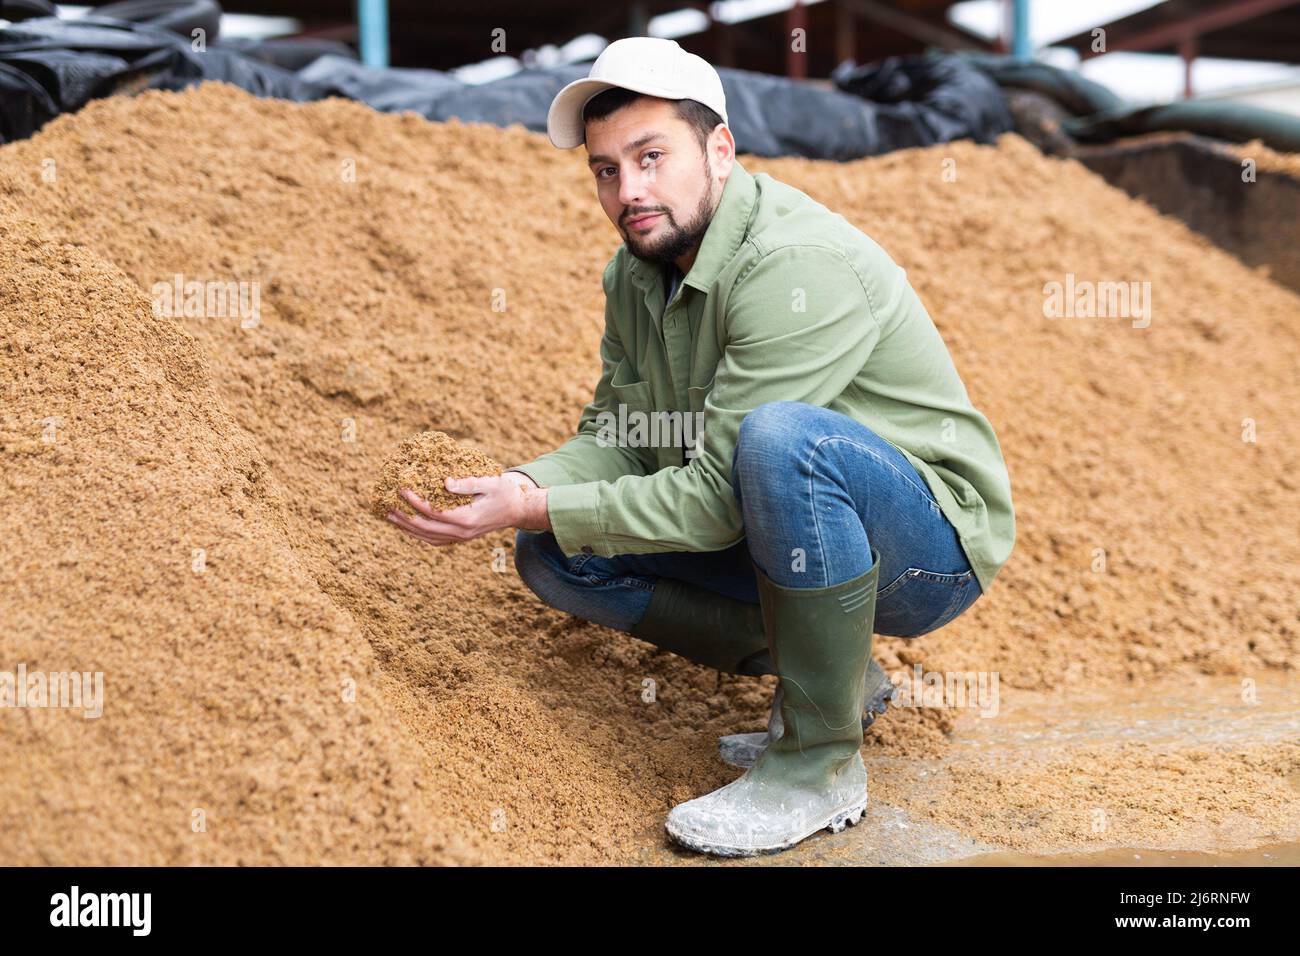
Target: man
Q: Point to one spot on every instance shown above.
(839, 483)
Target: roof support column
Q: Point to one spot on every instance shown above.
(372, 32)
(796, 61)
(1188, 47)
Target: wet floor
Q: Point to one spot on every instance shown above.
(1229, 714)
(1285, 854)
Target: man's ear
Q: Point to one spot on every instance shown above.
(721, 147)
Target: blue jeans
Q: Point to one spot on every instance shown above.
(817, 491)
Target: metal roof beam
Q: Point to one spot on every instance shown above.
(1226, 14)
(910, 25)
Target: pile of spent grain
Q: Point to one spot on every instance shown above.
(325, 689)
(423, 463)
(242, 721)
(1268, 158)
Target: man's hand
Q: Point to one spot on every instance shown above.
(511, 500)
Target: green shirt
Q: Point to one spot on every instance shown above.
(786, 300)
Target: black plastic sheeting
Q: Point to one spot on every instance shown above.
(1100, 116)
(50, 66)
(934, 98)
(392, 90)
(768, 115)
(1074, 92)
(1234, 122)
(179, 16)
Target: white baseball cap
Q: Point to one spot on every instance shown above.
(649, 65)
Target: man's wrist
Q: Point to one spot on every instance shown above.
(533, 514)
(536, 517)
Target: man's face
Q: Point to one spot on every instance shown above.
(656, 185)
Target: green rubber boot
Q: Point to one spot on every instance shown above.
(811, 777)
(706, 627)
(741, 750)
(726, 634)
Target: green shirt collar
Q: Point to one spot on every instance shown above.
(721, 241)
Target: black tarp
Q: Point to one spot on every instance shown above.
(929, 99)
(1077, 94)
(1234, 122)
(50, 66)
(1097, 115)
(391, 90)
(768, 115)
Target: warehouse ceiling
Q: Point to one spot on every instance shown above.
(421, 36)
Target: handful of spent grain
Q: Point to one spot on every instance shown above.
(422, 463)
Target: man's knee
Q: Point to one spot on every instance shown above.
(546, 570)
(768, 434)
(534, 554)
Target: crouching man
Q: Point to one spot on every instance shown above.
(841, 484)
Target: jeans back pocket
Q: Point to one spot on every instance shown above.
(920, 601)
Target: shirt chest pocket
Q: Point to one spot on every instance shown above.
(629, 391)
(664, 433)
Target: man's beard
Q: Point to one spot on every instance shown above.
(676, 240)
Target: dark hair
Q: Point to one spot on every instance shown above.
(696, 115)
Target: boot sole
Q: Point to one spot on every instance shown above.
(836, 823)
